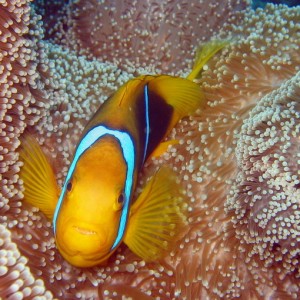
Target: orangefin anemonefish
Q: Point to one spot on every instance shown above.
(95, 211)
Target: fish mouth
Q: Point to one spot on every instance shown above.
(83, 245)
(84, 231)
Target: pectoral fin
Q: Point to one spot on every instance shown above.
(157, 217)
(40, 187)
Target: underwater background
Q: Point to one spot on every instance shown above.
(258, 3)
(237, 159)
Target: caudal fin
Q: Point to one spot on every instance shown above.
(157, 217)
(40, 187)
(183, 94)
(204, 54)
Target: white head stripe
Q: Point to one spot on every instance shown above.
(127, 147)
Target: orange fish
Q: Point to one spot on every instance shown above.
(95, 210)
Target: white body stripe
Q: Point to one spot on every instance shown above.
(147, 121)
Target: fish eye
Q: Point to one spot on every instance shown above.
(119, 202)
(121, 199)
(69, 186)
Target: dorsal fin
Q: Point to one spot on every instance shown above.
(182, 94)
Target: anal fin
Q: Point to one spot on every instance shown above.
(163, 147)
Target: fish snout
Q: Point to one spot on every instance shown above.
(82, 245)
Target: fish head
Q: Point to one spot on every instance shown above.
(89, 217)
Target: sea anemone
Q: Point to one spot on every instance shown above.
(149, 36)
(238, 158)
(242, 182)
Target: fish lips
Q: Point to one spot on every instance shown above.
(83, 244)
